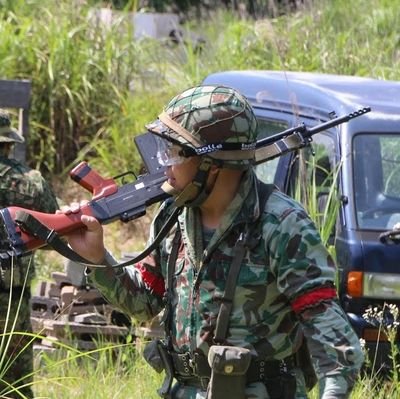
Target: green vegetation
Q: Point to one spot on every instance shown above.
(110, 372)
(94, 88)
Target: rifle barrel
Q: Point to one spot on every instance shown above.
(305, 132)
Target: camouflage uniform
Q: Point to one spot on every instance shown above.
(285, 286)
(19, 186)
(288, 262)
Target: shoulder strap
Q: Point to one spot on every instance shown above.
(173, 256)
(264, 192)
(4, 169)
(10, 164)
(34, 227)
(244, 242)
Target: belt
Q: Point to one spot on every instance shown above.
(194, 369)
(187, 365)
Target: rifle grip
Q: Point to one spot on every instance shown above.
(85, 176)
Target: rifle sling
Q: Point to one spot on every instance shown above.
(173, 256)
(225, 308)
(36, 228)
(283, 146)
(244, 242)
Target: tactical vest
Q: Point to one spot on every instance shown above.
(199, 372)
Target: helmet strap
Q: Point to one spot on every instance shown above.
(195, 193)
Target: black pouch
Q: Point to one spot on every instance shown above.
(151, 354)
(229, 366)
(156, 355)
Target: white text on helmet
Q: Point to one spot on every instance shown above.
(208, 148)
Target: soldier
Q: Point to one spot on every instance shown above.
(244, 280)
(19, 186)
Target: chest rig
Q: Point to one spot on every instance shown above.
(247, 240)
(181, 363)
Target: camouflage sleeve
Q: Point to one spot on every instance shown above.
(334, 347)
(128, 290)
(298, 258)
(305, 274)
(137, 290)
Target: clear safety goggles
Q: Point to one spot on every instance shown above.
(168, 153)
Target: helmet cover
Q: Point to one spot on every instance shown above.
(211, 120)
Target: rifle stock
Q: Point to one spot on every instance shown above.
(129, 201)
(110, 202)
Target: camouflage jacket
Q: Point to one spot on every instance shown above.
(281, 289)
(25, 187)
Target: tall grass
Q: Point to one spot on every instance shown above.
(83, 75)
(108, 372)
(94, 84)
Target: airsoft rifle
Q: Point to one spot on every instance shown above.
(129, 201)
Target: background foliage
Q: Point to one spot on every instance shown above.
(94, 87)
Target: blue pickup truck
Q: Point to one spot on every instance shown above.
(362, 157)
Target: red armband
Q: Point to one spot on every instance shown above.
(312, 298)
(153, 281)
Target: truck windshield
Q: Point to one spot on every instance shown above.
(376, 166)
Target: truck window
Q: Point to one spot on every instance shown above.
(267, 170)
(376, 165)
(314, 170)
(313, 183)
(320, 158)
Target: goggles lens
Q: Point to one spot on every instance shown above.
(169, 154)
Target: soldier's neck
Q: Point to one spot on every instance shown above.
(224, 190)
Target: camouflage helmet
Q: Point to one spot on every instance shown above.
(211, 120)
(7, 133)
